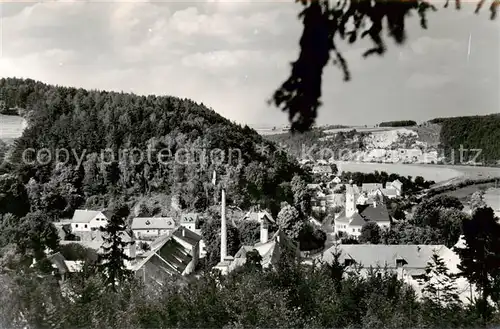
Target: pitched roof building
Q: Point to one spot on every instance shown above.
(407, 261)
(148, 228)
(172, 254)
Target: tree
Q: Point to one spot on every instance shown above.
(290, 222)
(477, 200)
(439, 286)
(370, 233)
(35, 234)
(210, 230)
(324, 25)
(253, 260)
(301, 196)
(13, 196)
(428, 211)
(112, 261)
(480, 258)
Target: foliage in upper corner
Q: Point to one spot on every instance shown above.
(90, 123)
(300, 94)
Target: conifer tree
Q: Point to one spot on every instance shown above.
(439, 285)
(112, 261)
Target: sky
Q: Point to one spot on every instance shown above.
(231, 55)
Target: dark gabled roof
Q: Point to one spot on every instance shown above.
(357, 220)
(58, 260)
(375, 214)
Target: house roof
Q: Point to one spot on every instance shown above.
(95, 240)
(153, 223)
(389, 191)
(191, 217)
(258, 216)
(375, 214)
(84, 216)
(342, 218)
(270, 251)
(416, 256)
(322, 169)
(368, 187)
(167, 254)
(357, 220)
(187, 235)
(313, 186)
(58, 261)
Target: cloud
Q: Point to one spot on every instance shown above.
(231, 55)
(426, 80)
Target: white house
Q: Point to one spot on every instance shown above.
(88, 220)
(322, 170)
(396, 185)
(390, 193)
(191, 222)
(407, 261)
(149, 228)
(355, 215)
(371, 188)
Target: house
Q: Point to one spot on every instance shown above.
(88, 220)
(95, 240)
(322, 170)
(355, 215)
(259, 216)
(149, 228)
(269, 249)
(371, 188)
(408, 262)
(389, 193)
(336, 180)
(313, 187)
(265, 220)
(64, 267)
(171, 254)
(396, 185)
(191, 222)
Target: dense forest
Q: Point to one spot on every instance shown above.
(473, 133)
(98, 128)
(402, 123)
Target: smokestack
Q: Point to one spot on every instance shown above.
(223, 228)
(264, 235)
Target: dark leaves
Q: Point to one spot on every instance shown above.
(300, 94)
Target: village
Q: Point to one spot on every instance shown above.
(160, 248)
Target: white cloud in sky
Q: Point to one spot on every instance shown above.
(231, 55)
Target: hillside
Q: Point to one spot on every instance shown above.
(472, 132)
(430, 142)
(171, 133)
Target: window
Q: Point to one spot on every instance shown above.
(76, 225)
(354, 230)
(85, 225)
(400, 262)
(359, 230)
(348, 262)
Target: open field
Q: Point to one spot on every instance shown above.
(442, 174)
(11, 126)
(464, 193)
(358, 129)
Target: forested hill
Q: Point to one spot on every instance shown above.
(87, 123)
(472, 132)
